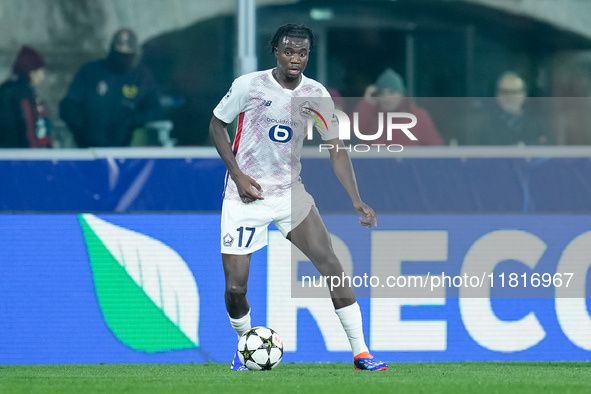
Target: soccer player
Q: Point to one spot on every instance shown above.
(263, 183)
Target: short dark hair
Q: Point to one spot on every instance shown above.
(292, 30)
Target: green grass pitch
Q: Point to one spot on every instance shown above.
(327, 378)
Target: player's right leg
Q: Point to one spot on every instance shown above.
(236, 270)
(244, 231)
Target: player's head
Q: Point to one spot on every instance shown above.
(292, 30)
(291, 46)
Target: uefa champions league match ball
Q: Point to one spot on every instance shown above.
(260, 349)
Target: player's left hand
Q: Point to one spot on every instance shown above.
(369, 218)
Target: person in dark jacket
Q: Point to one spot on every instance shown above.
(508, 119)
(24, 120)
(111, 97)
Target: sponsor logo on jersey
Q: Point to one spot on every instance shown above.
(280, 133)
(283, 121)
(266, 103)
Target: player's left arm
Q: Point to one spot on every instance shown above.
(343, 168)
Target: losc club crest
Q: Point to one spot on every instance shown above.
(305, 108)
(228, 240)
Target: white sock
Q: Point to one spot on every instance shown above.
(351, 320)
(242, 324)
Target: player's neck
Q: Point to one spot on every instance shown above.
(285, 82)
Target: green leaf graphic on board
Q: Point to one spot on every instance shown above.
(145, 290)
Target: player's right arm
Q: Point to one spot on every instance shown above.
(248, 189)
(235, 102)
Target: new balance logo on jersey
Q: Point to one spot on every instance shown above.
(266, 103)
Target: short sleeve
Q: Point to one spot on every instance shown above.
(234, 102)
(332, 123)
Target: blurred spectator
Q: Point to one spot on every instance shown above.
(507, 120)
(572, 110)
(337, 98)
(387, 95)
(23, 116)
(109, 98)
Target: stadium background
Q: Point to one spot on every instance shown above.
(52, 311)
(64, 303)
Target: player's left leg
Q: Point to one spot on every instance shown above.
(313, 239)
(236, 271)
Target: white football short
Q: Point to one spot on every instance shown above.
(244, 226)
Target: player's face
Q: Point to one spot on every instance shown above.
(292, 57)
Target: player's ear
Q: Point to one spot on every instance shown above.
(276, 52)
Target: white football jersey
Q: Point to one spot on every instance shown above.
(268, 141)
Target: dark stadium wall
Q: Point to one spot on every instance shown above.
(71, 33)
(194, 69)
(441, 48)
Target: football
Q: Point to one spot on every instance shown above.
(260, 349)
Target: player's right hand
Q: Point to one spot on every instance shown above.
(248, 189)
